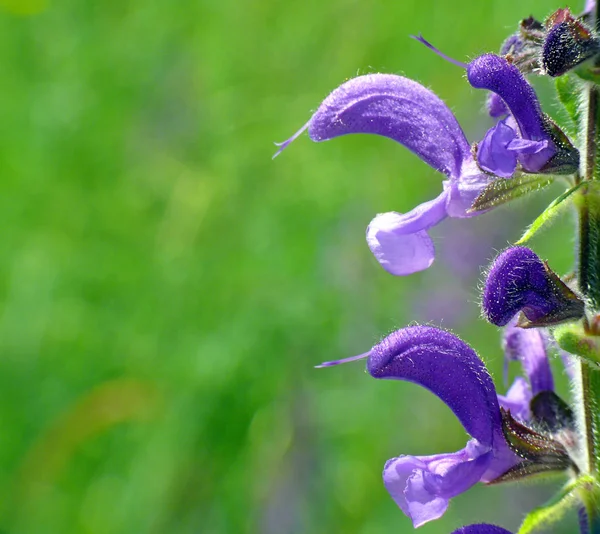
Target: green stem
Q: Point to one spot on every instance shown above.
(589, 284)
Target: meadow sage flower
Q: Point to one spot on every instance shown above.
(530, 430)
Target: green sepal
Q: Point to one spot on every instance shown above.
(548, 214)
(568, 89)
(502, 191)
(573, 339)
(555, 508)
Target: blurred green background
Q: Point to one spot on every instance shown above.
(166, 288)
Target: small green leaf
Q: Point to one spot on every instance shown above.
(504, 190)
(548, 214)
(568, 89)
(554, 509)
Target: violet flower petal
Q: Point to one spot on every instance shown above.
(481, 528)
(530, 347)
(449, 368)
(497, 153)
(423, 485)
(403, 110)
(398, 108)
(525, 146)
(504, 458)
(496, 74)
(492, 153)
(517, 399)
(568, 43)
(400, 241)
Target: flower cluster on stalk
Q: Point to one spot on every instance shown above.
(529, 429)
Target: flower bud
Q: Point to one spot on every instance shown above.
(568, 43)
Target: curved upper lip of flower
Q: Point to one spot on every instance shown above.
(394, 107)
(412, 115)
(442, 363)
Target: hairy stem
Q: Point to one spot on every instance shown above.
(589, 284)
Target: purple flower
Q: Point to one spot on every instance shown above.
(407, 112)
(482, 528)
(530, 137)
(501, 148)
(439, 361)
(519, 281)
(527, 139)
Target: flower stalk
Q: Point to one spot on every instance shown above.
(588, 204)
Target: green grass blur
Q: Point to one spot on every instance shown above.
(166, 288)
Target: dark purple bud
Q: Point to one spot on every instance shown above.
(568, 43)
(519, 281)
(481, 528)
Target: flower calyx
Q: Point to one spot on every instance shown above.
(568, 43)
(540, 452)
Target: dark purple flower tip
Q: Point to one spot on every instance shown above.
(481, 528)
(448, 367)
(496, 74)
(530, 347)
(568, 43)
(519, 281)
